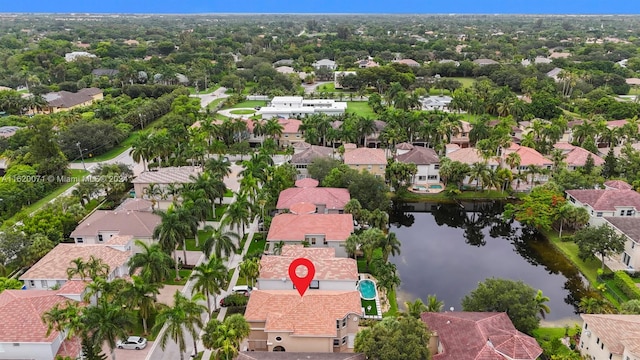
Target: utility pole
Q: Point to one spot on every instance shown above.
(141, 124)
(81, 156)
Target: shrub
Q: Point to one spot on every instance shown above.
(236, 300)
(624, 282)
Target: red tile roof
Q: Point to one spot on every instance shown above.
(21, 313)
(307, 183)
(291, 227)
(302, 208)
(480, 336)
(277, 267)
(310, 253)
(73, 287)
(290, 126)
(365, 156)
(577, 156)
(528, 156)
(618, 184)
(332, 198)
(606, 200)
(314, 314)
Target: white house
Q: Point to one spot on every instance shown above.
(426, 160)
(602, 203)
(295, 106)
(331, 273)
(324, 64)
(51, 270)
(608, 336)
(23, 334)
(73, 56)
(630, 228)
(436, 103)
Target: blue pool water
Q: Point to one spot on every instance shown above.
(435, 186)
(367, 289)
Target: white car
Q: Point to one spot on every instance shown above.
(132, 343)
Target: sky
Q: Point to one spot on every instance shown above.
(325, 6)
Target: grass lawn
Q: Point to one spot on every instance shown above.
(230, 274)
(75, 176)
(361, 108)
(138, 330)
(241, 281)
(249, 104)
(366, 304)
(544, 336)
(257, 244)
(465, 195)
(393, 304)
(117, 150)
(220, 209)
(191, 244)
(466, 81)
(634, 90)
(192, 90)
(619, 295)
(588, 268)
(242, 112)
(184, 275)
(244, 239)
(228, 193)
(215, 103)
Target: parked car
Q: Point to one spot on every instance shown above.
(242, 289)
(234, 300)
(132, 343)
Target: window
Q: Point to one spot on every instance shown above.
(338, 324)
(369, 167)
(336, 342)
(599, 214)
(79, 240)
(433, 177)
(44, 284)
(602, 346)
(32, 283)
(315, 284)
(325, 241)
(344, 323)
(629, 212)
(626, 258)
(422, 178)
(278, 338)
(381, 167)
(344, 341)
(572, 199)
(436, 166)
(621, 212)
(598, 341)
(100, 237)
(313, 241)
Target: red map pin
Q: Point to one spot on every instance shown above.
(301, 283)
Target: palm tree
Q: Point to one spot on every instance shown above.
(352, 245)
(220, 242)
(61, 319)
(541, 302)
(218, 167)
(250, 268)
(513, 160)
(479, 173)
(107, 322)
(590, 305)
(181, 318)
(415, 308)
(152, 191)
(273, 129)
(212, 187)
(390, 246)
(141, 295)
(170, 233)
(141, 149)
(433, 304)
(238, 213)
(225, 337)
(210, 278)
(154, 264)
(277, 247)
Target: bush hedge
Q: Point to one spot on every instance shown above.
(624, 282)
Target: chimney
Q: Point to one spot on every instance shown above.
(434, 343)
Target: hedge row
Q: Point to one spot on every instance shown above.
(624, 282)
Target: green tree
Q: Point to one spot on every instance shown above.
(184, 317)
(631, 307)
(154, 264)
(592, 305)
(225, 337)
(600, 241)
(220, 242)
(210, 278)
(320, 167)
(515, 298)
(141, 295)
(390, 246)
(541, 301)
(433, 304)
(9, 284)
(249, 269)
(170, 233)
(394, 338)
(538, 209)
(107, 322)
(415, 308)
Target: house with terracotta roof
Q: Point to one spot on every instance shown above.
(408, 62)
(51, 270)
(426, 160)
(320, 321)
(326, 200)
(102, 225)
(163, 177)
(332, 273)
(576, 157)
(529, 157)
(304, 157)
(608, 336)
(477, 335)
(630, 228)
(23, 334)
(602, 203)
(317, 230)
(372, 160)
(461, 137)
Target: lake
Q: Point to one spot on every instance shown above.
(447, 249)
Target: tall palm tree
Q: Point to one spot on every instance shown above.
(238, 213)
(433, 304)
(225, 337)
(218, 166)
(212, 187)
(513, 160)
(141, 295)
(154, 264)
(210, 278)
(141, 149)
(415, 308)
(390, 246)
(479, 174)
(170, 233)
(63, 318)
(250, 269)
(107, 322)
(220, 242)
(181, 319)
(273, 129)
(277, 247)
(152, 191)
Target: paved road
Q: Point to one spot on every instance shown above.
(206, 99)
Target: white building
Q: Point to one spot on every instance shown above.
(426, 160)
(436, 103)
(601, 203)
(73, 56)
(630, 228)
(324, 64)
(293, 106)
(610, 337)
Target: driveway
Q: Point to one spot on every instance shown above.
(123, 354)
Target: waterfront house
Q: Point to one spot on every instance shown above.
(608, 336)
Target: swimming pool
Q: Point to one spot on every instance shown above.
(435, 186)
(367, 289)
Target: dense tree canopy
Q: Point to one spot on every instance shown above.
(394, 338)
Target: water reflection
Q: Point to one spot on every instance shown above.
(448, 248)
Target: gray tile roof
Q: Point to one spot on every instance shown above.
(312, 153)
(126, 222)
(168, 175)
(419, 156)
(630, 226)
(68, 99)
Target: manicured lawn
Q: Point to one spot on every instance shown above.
(74, 176)
(393, 304)
(138, 330)
(366, 304)
(215, 103)
(220, 209)
(249, 104)
(241, 281)
(634, 90)
(361, 108)
(242, 112)
(230, 274)
(588, 268)
(244, 239)
(117, 150)
(466, 81)
(257, 244)
(191, 245)
(184, 275)
(545, 337)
